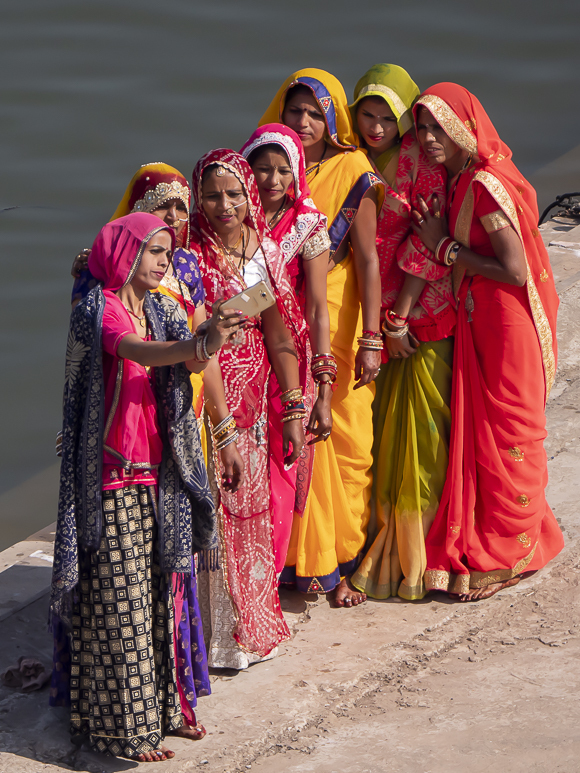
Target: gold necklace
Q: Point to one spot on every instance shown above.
(142, 320)
(316, 167)
(231, 250)
(278, 216)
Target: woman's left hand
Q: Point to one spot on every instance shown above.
(233, 474)
(366, 366)
(320, 422)
(430, 228)
(221, 326)
(292, 434)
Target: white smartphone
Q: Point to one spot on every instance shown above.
(251, 301)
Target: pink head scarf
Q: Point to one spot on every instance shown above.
(117, 250)
(289, 141)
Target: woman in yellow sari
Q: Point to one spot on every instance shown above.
(327, 539)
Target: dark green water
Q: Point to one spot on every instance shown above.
(91, 90)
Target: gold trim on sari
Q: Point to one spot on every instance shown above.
(497, 190)
(449, 122)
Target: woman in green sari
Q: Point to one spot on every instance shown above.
(411, 408)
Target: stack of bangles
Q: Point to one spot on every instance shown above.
(293, 405)
(447, 250)
(225, 433)
(370, 339)
(401, 325)
(324, 365)
(201, 352)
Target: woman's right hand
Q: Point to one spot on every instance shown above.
(221, 326)
(80, 263)
(233, 474)
(401, 348)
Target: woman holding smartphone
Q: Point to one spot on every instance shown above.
(234, 253)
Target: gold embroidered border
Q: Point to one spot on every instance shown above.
(543, 329)
(437, 579)
(177, 287)
(406, 121)
(495, 221)
(449, 122)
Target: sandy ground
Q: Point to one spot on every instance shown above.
(425, 687)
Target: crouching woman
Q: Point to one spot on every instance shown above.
(134, 501)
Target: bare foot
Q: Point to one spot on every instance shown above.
(191, 732)
(157, 755)
(346, 595)
(477, 594)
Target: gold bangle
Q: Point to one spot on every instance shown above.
(290, 395)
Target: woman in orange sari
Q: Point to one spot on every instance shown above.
(493, 521)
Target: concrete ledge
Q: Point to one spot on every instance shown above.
(26, 571)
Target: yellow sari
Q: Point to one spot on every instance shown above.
(327, 540)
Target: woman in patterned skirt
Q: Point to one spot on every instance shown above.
(163, 191)
(134, 500)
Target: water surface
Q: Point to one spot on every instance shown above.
(91, 90)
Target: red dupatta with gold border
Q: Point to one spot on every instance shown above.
(464, 119)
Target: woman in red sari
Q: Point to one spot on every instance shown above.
(234, 252)
(276, 157)
(493, 522)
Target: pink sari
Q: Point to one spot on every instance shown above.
(301, 234)
(247, 530)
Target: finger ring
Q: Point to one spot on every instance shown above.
(221, 317)
(326, 434)
(421, 221)
(437, 214)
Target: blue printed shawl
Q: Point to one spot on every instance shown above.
(186, 511)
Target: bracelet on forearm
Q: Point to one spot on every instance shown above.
(293, 416)
(218, 427)
(392, 316)
(373, 344)
(228, 440)
(201, 352)
(324, 365)
(401, 333)
(451, 253)
(291, 395)
(439, 249)
(222, 432)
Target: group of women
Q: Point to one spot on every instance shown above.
(378, 430)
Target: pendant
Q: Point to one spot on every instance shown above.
(469, 305)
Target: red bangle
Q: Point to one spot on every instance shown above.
(392, 315)
(371, 334)
(442, 247)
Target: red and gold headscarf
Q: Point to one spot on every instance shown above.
(150, 187)
(465, 121)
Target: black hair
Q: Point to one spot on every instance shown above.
(271, 147)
